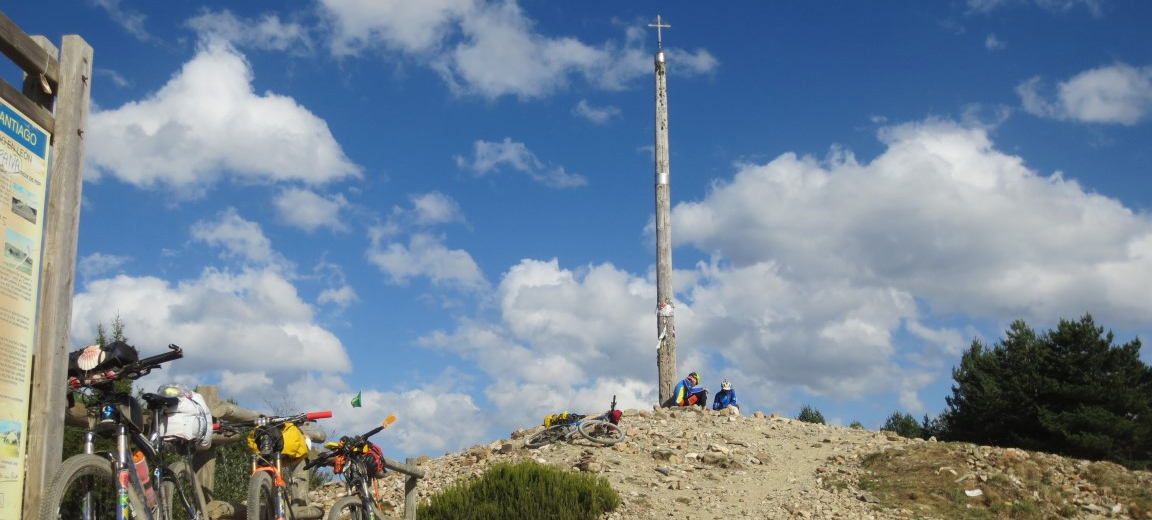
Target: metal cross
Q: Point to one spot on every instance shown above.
(658, 26)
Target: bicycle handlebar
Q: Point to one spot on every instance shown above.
(347, 444)
(274, 420)
(134, 370)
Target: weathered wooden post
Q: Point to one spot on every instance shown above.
(55, 96)
(665, 315)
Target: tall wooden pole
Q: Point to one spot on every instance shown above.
(665, 315)
(58, 270)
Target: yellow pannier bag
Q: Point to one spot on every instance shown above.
(291, 442)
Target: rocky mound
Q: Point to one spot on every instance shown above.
(689, 463)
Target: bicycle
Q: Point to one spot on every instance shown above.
(96, 485)
(601, 429)
(269, 495)
(361, 463)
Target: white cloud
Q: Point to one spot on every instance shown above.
(491, 49)
(597, 115)
(425, 256)
(97, 264)
(412, 27)
(435, 208)
(240, 238)
(308, 210)
(820, 267)
(489, 156)
(993, 43)
(266, 32)
(1095, 7)
(131, 20)
(571, 339)
(251, 321)
(1119, 94)
(207, 123)
(342, 296)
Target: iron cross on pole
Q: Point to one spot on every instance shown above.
(658, 26)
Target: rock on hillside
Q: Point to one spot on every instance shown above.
(703, 465)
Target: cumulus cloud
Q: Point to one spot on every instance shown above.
(426, 256)
(308, 210)
(490, 156)
(1095, 7)
(435, 208)
(98, 264)
(1117, 94)
(820, 266)
(560, 333)
(251, 321)
(130, 19)
(238, 237)
(597, 115)
(491, 49)
(266, 32)
(206, 124)
(993, 43)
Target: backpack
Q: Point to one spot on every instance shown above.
(97, 357)
(286, 438)
(372, 456)
(189, 419)
(561, 418)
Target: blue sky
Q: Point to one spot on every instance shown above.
(448, 205)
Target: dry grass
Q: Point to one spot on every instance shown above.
(937, 480)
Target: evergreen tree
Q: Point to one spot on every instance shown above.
(1068, 391)
(904, 425)
(809, 414)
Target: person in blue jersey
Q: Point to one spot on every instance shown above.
(687, 393)
(726, 398)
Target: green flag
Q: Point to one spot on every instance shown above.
(356, 400)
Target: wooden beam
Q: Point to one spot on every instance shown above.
(58, 271)
(36, 113)
(29, 56)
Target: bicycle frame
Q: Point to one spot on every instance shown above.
(117, 416)
(278, 483)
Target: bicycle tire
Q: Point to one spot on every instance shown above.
(262, 497)
(350, 508)
(547, 436)
(79, 476)
(601, 432)
(179, 488)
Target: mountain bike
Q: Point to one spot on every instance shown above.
(361, 463)
(269, 494)
(97, 484)
(601, 429)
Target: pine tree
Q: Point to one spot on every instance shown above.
(1068, 391)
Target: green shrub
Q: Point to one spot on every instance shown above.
(810, 415)
(524, 490)
(856, 425)
(904, 425)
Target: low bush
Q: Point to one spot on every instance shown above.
(524, 490)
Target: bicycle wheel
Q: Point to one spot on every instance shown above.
(602, 432)
(350, 508)
(84, 487)
(547, 436)
(261, 497)
(182, 497)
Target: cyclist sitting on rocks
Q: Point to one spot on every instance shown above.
(726, 398)
(687, 393)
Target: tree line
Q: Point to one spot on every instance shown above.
(1070, 391)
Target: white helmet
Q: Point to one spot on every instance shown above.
(725, 385)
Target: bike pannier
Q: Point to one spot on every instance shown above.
(561, 418)
(189, 419)
(287, 439)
